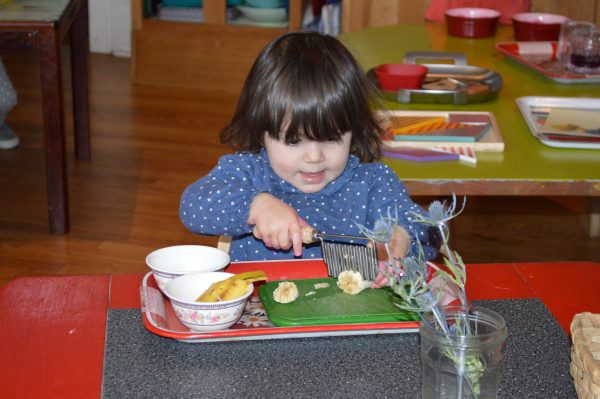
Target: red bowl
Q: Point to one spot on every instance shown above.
(472, 22)
(532, 26)
(393, 77)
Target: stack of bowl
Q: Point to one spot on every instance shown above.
(183, 273)
(264, 11)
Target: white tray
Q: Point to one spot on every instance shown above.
(532, 106)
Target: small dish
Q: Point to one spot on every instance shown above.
(178, 260)
(265, 3)
(532, 26)
(278, 14)
(393, 77)
(204, 316)
(472, 22)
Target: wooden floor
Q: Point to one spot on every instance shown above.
(147, 145)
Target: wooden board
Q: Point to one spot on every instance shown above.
(491, 142)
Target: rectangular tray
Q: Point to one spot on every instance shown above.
(532, 107)
(330, 305)
(491, 142)
(158, 316)
(541, 57)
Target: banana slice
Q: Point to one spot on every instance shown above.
(285, 292)
(232, 287)
(352, 282)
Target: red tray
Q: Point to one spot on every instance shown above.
(541, 57)
(158, 316)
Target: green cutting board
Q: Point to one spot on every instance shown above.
(331, 305)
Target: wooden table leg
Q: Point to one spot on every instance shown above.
(54, 131)
(79, 79)
(591, 217)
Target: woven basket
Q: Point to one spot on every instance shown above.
(585, 355)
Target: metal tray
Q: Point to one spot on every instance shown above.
(462, 83)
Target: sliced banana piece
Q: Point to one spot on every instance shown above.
(318, 286)
(352, 282)
(285, 292)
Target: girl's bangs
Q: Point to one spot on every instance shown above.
(308, 115)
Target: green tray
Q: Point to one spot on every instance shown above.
(331, 305)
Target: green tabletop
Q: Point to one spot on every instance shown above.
(32, 10)
(526, 167)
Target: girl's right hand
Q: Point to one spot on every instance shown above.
(276, 223)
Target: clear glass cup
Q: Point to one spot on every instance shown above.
(457, 365)
(585, 53)
(570, 31)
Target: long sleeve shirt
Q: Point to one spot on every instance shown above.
(219, 204)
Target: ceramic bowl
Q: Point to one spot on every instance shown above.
(170, 262)
(533, 26)
(266, 3)
(278, 14)
(472, 22)
(204, 316)
(393, 77)
(194, 3)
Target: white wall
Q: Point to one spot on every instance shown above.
(110, 27)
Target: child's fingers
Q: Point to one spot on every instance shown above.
(296, 237)
(399, 242)
(380, 281)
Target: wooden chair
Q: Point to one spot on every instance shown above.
(224, 243)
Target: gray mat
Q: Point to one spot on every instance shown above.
(139, 364)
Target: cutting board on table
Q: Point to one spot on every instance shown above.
(331, 305)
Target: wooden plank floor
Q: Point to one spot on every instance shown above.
(147, 145)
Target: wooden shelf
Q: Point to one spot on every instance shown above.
(213, 55)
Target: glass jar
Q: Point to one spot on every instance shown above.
(462, 358)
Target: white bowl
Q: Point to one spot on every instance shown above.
(170, 262)
(473, 12)
(204, 316)
(265, 3)
(278, 14)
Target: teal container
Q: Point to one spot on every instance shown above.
(195, 3)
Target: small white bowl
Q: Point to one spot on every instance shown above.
(278, 14)
(204, 316)
(170, 262)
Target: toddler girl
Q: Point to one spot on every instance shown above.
(306, 140)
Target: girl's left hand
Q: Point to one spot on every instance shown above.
(398, 247)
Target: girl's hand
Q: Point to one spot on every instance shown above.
(398, 247)
(276, 223)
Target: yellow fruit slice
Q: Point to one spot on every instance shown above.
(231, 288)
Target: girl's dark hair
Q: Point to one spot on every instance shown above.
(309, 84)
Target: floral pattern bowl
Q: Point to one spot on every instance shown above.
(178, 260)
(204, 316)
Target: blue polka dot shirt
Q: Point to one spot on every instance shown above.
(219, 204)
